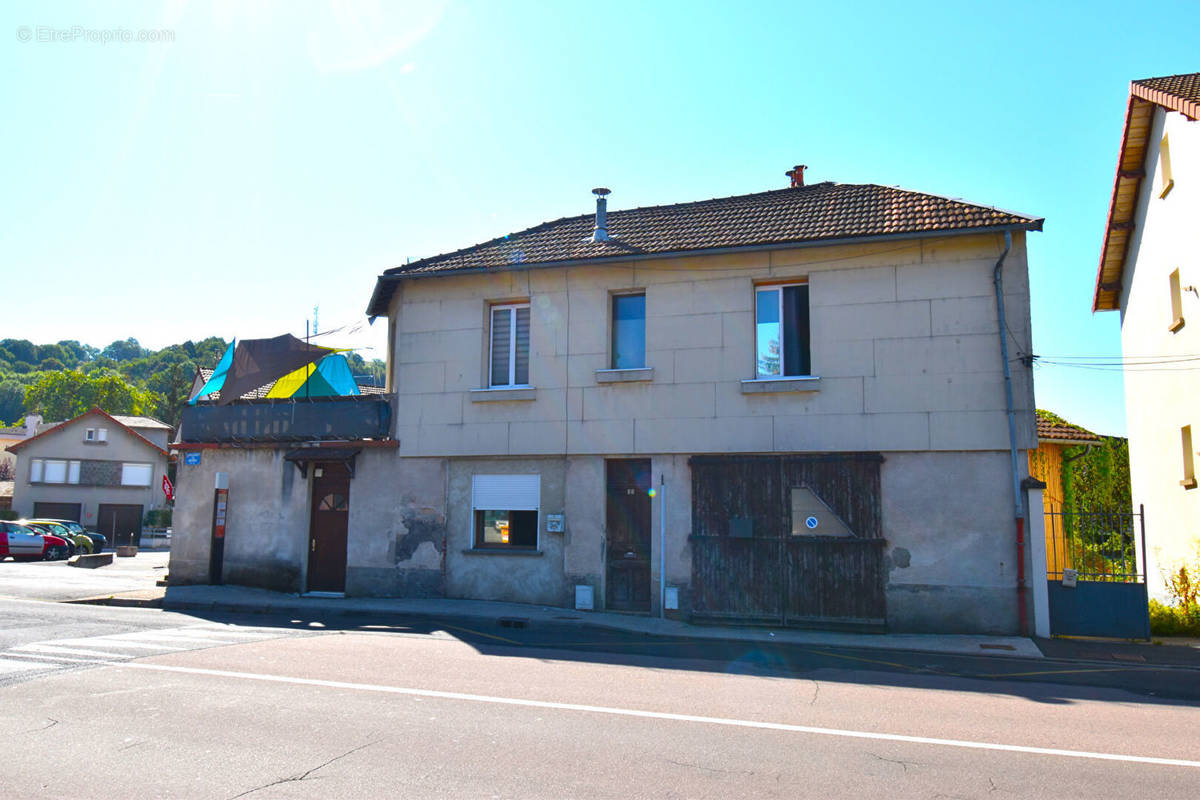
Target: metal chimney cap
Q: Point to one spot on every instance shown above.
(601, 191)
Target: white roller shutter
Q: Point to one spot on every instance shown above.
(506, 492)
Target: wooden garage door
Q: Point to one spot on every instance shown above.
(71, 511)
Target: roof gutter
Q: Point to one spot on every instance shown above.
(380, 298)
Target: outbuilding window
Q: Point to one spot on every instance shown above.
(505, 510)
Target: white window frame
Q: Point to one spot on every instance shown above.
(149, 475)
(101, 434)
(89, 435)
(73, 472)
(509, 505)
(46, 464)
(512, 345)
(779, 287)
(37, 468)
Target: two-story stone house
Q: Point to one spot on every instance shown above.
(1149, 271)
(102, 470)
(787, 406)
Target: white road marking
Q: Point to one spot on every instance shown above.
(632, 712)
(50, 649)
(113, 641)
(8, 665)
(65, 659)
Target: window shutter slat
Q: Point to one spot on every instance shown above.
(506, 492)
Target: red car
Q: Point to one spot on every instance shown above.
(26, 544)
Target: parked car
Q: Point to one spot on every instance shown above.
(98, 539)
(81, 541)
(23, 544)
(45, 530)
(53, 548)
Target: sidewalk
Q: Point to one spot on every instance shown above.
(239, 599)
(1171, 653)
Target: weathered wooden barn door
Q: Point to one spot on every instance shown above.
(788, 539)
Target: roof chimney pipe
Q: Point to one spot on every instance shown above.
(600, 233)
(796, 173)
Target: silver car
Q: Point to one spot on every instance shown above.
(22, 543)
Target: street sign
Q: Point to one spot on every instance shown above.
(191, 459)
(168, 488)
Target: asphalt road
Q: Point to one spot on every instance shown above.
(294, 707)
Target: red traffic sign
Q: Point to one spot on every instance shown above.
(167, 488)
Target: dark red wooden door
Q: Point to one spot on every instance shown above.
(328, 528)
(627, 533)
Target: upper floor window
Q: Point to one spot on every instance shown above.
(136, 474)
(509, 358)
(1166, 180)
(781, 331)
(1189, 463)
(628, 331)
(1176, 303)
(95, 435)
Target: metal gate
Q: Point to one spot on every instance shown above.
(1093, 578)
(747, 565)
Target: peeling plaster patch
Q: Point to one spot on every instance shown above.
(414, 533)
(426, 556)
(901, 557)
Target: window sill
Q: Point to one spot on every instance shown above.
(1176, 325)
(638, 374)
(499, 395)
(500, 551)
(802, 383)
(95, 441)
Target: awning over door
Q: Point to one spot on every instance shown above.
(303, 456)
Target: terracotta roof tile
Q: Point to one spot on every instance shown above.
(819, 212)
(1051, 430)
(1177, 92)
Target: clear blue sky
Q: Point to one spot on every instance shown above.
(274, 156)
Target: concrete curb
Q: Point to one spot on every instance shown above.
(90, 560)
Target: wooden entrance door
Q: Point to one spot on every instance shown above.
(328, 527)
(122, 524)
(628, 535)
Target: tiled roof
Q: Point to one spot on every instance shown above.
(141, 422)
(1175, 93)
(1058, 430)
(47, 429)
(253, 394)
(261, 392)
(815, 213)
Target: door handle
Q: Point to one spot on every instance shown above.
(313, 549)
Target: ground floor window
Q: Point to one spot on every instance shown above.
(505, 511)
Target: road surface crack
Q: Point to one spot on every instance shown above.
(903, 764)
(816, 692)
(50, 723)
(304, 775)
(710, 769)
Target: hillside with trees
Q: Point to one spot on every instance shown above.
(62, 380)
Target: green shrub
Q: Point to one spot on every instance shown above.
(1174, 621)
(1182, 617)
(8, 513)
(158, 518)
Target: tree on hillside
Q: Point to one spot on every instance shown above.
(126, 350)
(77, 352)
(12, 401)
(18, 350)
(67, 394)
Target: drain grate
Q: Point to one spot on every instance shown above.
(997, 647)
(1128, 657)
(513, 622)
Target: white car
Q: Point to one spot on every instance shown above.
(20, 542)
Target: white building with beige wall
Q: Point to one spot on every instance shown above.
(786, 407)
(1150, 272)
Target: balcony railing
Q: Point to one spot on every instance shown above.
(290, 420)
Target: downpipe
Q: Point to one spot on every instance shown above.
(1018, 504)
